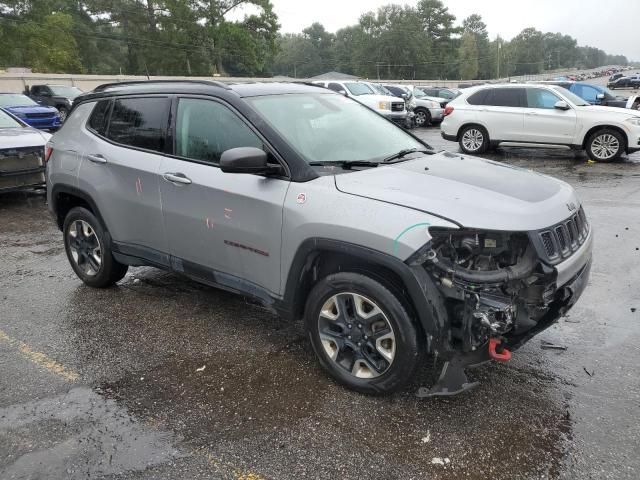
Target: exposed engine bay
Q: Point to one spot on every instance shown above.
(493, 283)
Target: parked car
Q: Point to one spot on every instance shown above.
(597, 95)
(632, 81)
(22, 154)
(427, 110)
(615, 76)
(29, 111)
(446, 93)
(59, 96)
(320, 209)
(486, 116)
(387, 106)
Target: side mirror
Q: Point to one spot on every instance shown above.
(342, 92)
(246, 160)
(561, 105)
(405, 95)
(600, 96)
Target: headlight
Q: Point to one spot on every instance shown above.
(384, 105)
(634, 121)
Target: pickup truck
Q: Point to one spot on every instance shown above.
(58, 96)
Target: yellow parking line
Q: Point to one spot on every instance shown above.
(40, 358)
(52, 366)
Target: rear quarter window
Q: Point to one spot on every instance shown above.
(478, 98)
(99, 117)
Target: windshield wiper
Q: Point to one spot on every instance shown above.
(403, 153)
(346, 164)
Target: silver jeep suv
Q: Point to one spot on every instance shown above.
(321, 209)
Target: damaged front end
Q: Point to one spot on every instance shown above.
(495, 290)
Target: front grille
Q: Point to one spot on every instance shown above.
(397, 106)
(562, 240)
(40, 115)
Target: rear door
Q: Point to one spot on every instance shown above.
(119, 169)
(221, 226)
(543, 123)
(503, 113)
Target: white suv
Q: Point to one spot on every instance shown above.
(483, 117)
(390, 107)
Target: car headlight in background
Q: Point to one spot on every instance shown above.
(384, 105)
(633, 121)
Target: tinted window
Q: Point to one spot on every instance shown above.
(336, 87)
(538, 98)
(505, 97)
(586, 93)
(394, 90)
(140, 122)
(478, 98)
(205, 129)
(99, 117)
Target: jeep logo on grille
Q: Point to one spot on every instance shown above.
(572, 207)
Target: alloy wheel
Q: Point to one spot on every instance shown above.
(472, 139)
(85, 247)
(605, 146)
(356, 335)
(421, 118)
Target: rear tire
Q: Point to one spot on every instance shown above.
(473, 139)
(605, 145)
(423, 117)
(362, 334)
(88, 249)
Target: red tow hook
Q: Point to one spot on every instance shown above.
(502, 356)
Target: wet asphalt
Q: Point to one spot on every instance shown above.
(164, 378)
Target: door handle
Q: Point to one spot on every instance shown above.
(96, 158)
(180, 178)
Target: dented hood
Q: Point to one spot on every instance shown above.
(470, 191)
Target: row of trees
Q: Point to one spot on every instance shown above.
(196, 37)
(164, 37)
(425, 42)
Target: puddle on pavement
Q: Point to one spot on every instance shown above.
(77, 435)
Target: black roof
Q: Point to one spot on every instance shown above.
(249, 89)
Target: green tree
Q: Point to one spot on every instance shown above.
(473, 25)
(468, 55)
(440, 43)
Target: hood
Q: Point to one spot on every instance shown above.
(470, 191)
(31, 109)
(22, 137)
(601, 109)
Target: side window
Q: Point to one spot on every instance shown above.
(140, 122)
(588, 94)
(505, 97)
(36, 90)
(99, 117)
(478, 98)
(205, 129)
(539, 98)
(336, 87)
(446, 94)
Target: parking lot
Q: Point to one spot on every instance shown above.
(161, 377)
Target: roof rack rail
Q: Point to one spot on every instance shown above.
(213, 83)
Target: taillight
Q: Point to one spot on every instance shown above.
(48, 150)
(448, 110)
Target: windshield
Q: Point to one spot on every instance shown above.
(7, 122)
(357, 89)
(572, 97)
(380, 89)
(418, 93)
(16, 100)
(65, 91)
(332, 128)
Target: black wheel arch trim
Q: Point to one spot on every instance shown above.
(427, 302)
(59, 188)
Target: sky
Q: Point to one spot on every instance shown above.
(612, 25)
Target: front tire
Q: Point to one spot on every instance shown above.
(605, 145)
(63, 114)
(361, 333)
(88, 249)
(473, 139)
(423, 117)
